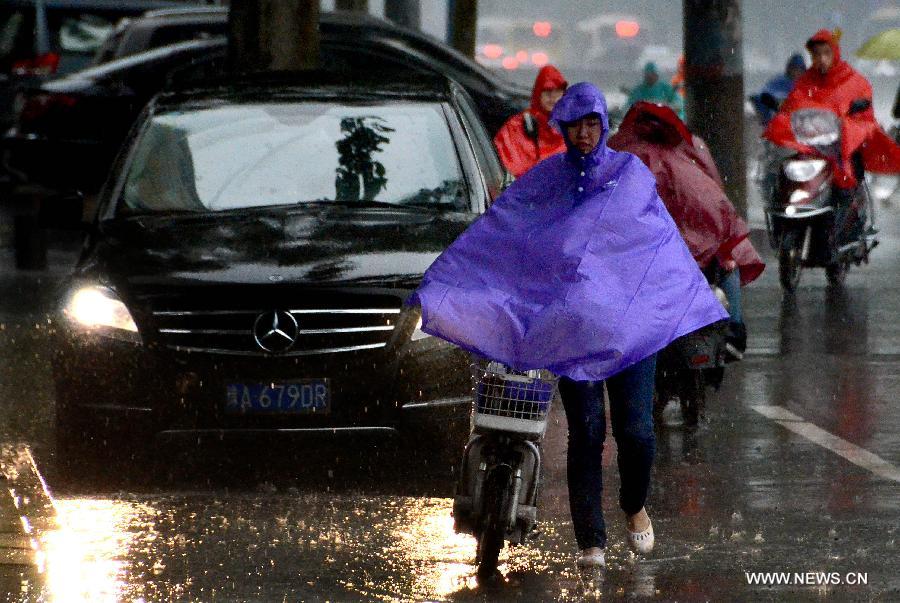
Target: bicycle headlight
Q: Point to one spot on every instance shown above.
(803, 170)
(99, 308)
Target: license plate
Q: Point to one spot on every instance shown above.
(309, 396)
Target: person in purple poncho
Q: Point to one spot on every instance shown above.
(578, 268)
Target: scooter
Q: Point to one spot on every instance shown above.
(802, 211)
(499, 481)
(693, 362)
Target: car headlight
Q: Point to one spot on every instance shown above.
(99, 308)
(418, 333)
(803, 170)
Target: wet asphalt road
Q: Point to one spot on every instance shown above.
(796, 471)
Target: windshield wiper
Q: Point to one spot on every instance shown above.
(152, 213)
(361, 204)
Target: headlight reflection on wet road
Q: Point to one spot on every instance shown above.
(86, 556)
(427, 540)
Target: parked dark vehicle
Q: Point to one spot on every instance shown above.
(70, 128)
(40, 39)
(246, 272)
(162, 27)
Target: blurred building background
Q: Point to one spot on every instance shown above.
(608, 41)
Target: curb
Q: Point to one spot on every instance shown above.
(26, 511)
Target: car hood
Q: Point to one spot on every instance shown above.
(334, 245)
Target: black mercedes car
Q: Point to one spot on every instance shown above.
(247, 269)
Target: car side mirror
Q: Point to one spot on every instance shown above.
(859, 105)
(64, 210)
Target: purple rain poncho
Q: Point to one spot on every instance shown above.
(577, 267)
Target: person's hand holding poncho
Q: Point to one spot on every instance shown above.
(576, 268)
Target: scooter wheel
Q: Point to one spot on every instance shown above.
(789, 261)
(493, 528)
(836, 273)
(693, 398)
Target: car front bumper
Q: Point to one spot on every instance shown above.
(114, 385)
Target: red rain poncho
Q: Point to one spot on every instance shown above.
(690, 186)
(836, 90)
(517, 150)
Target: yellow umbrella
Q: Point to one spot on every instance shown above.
(881, 47)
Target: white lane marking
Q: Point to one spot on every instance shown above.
(853, 453)
(777, 413)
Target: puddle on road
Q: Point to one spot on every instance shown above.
(347, 548)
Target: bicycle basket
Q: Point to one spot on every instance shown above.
(510, 401)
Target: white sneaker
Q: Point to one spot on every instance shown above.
(641, 542)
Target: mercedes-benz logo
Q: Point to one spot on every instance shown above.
(275, 331)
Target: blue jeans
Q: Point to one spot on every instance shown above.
(631, 411)
(731, 286)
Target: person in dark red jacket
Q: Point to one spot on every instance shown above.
(690, 186)
(526, 138)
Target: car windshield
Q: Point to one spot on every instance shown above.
(274, 154)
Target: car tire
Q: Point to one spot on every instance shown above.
(439, 449)
(85, 451)
(75, 457)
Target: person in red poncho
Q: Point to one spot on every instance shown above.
(691, 189)
(526, 138)
(833, 84)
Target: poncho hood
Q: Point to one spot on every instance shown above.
(518, 148)
(796, 61)
(581, 100)
(689, 184)
(577, 267)
(828, 37)
(548, 78)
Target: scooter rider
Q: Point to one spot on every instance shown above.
(833, 83)
(578, 268)
(691, 188)
(778, 88)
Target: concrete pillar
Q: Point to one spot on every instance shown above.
(461, 25)
(403, 12)
(714, 84)
(273, 35)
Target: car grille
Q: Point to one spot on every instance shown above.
(319, 330)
